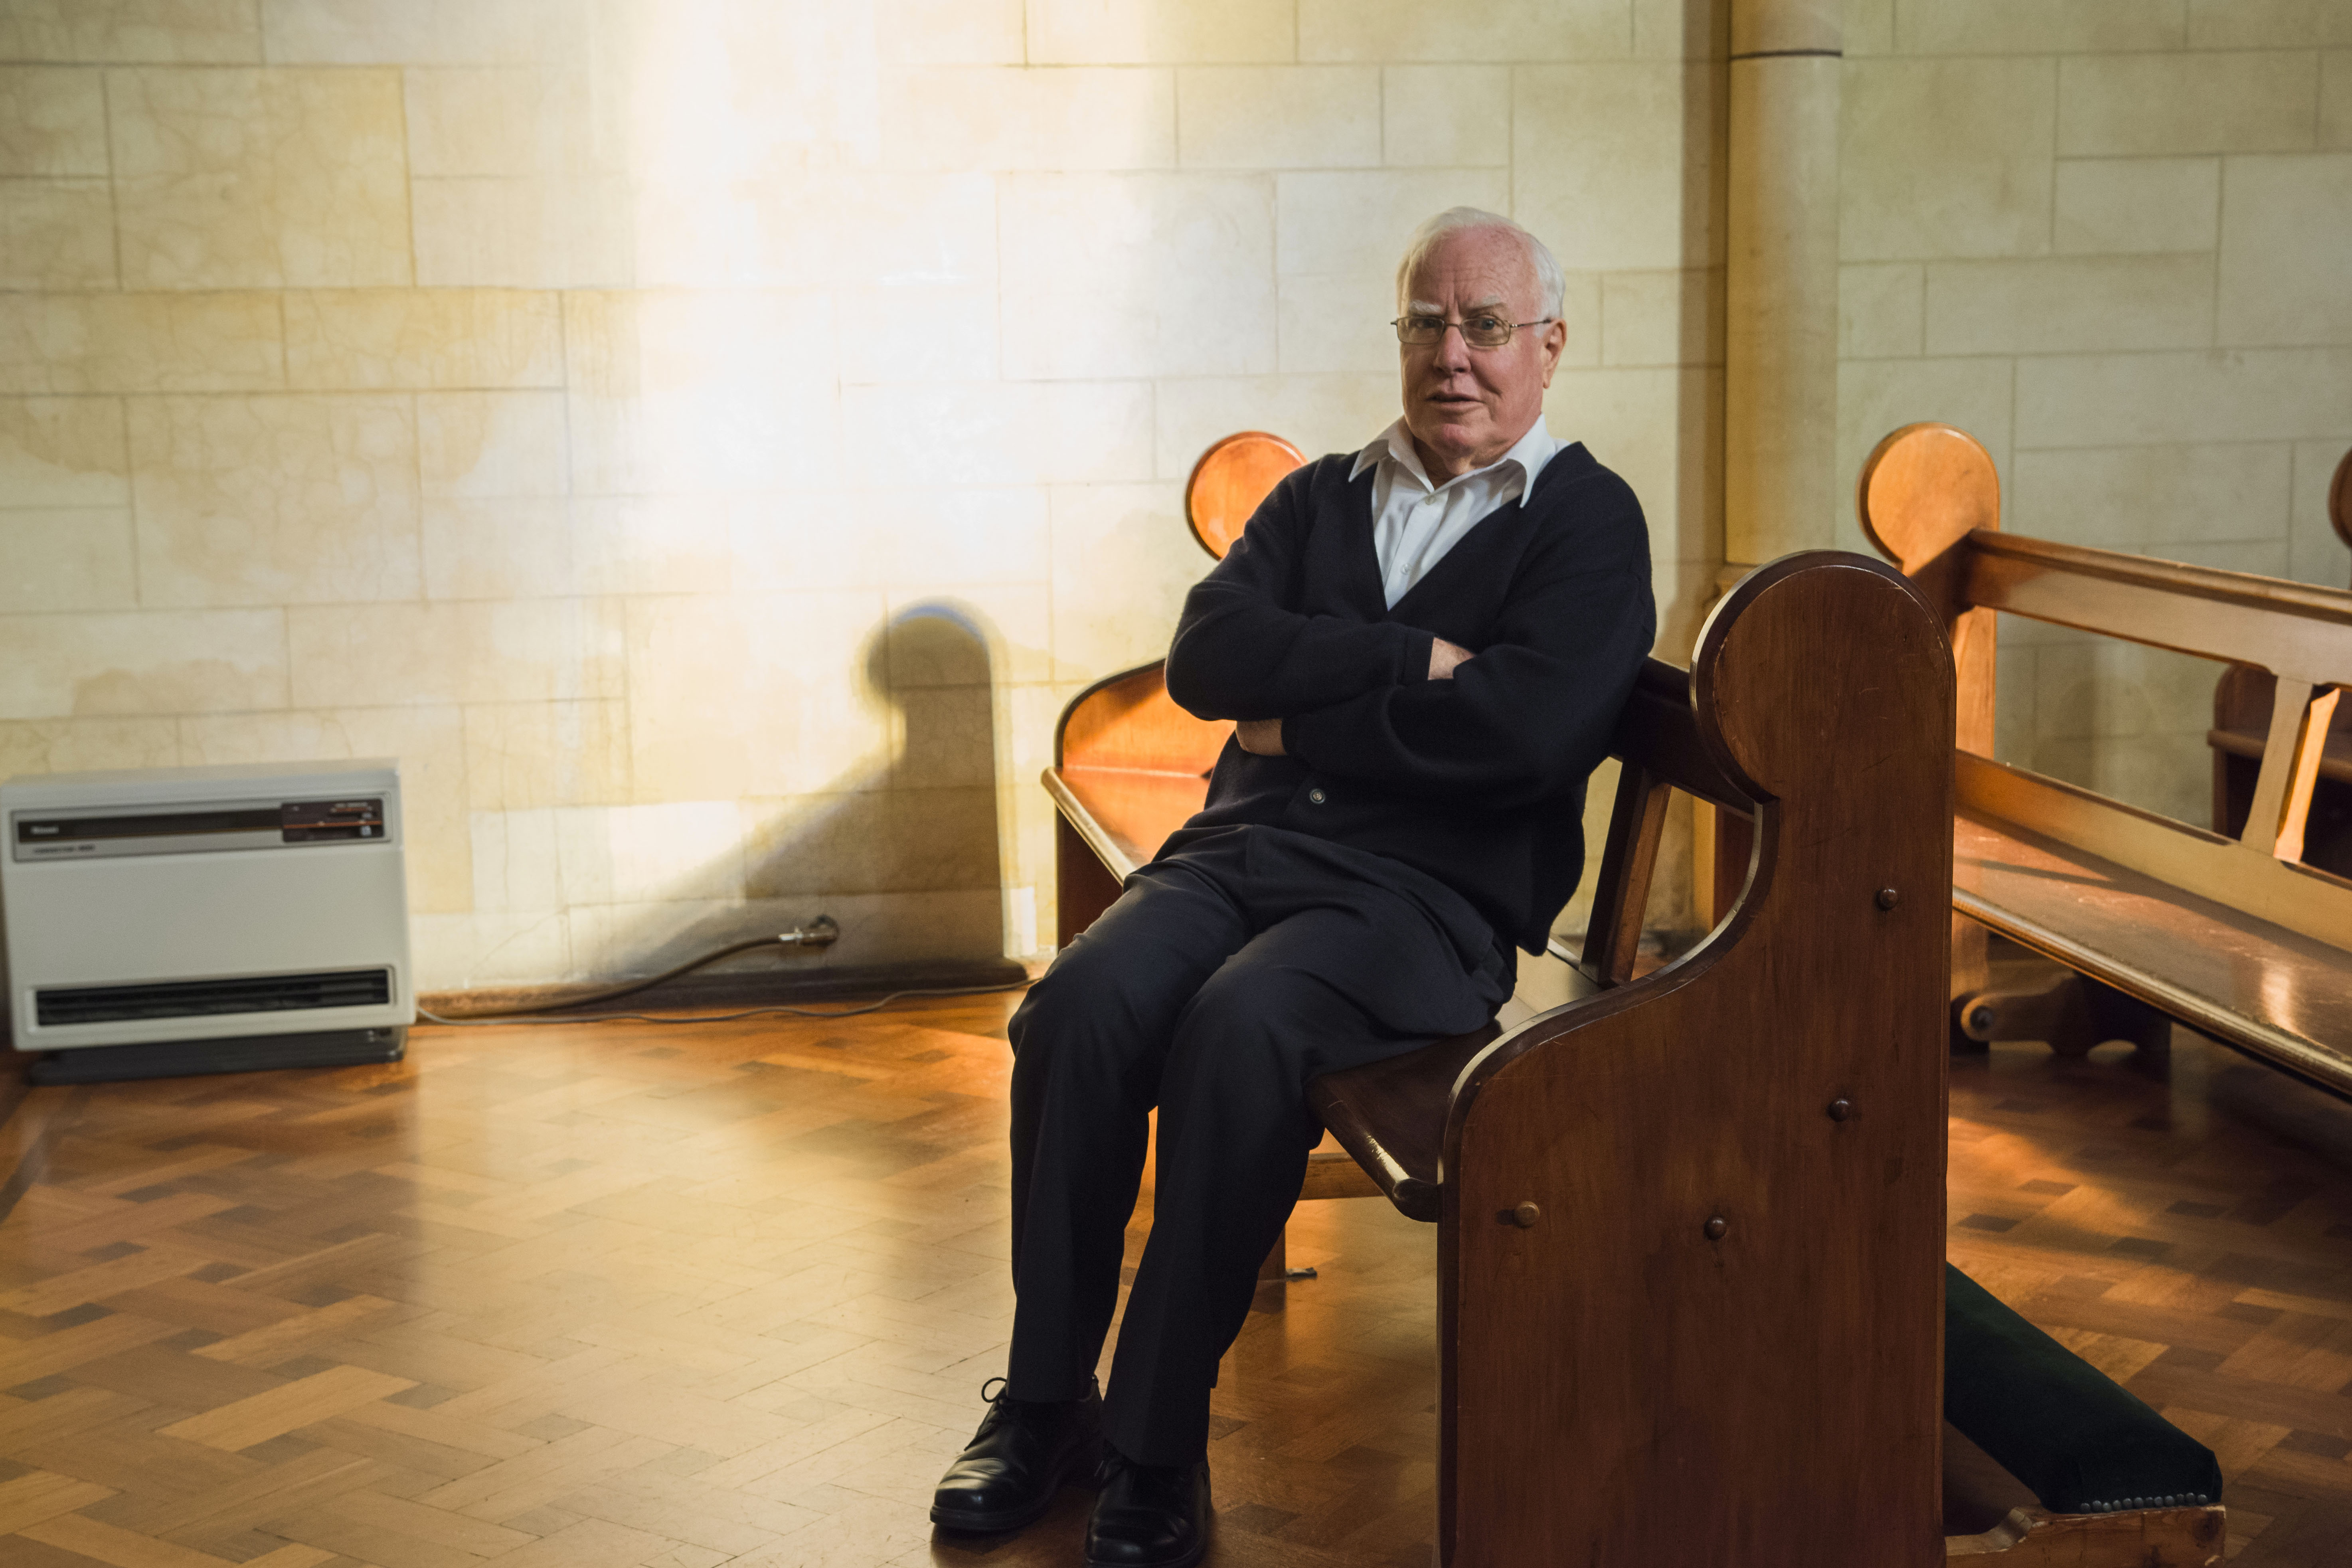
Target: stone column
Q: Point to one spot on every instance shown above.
(1781, 485)
(1781, 488)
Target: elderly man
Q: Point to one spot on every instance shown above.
(1423, 646)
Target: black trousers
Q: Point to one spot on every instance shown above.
(1228, 973)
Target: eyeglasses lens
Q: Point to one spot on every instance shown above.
(1478, 331)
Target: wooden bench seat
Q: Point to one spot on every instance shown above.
(2162, 920)
(2269, 991)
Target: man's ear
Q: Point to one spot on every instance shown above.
(1555, 343)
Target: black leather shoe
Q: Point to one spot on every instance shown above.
(1149, 1516)
(1025, 1452)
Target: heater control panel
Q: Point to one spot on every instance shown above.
(212, 825)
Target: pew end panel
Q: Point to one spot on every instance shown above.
(1920, 494)
(1714, 1196)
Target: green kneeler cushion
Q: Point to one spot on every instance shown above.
(2076, 1439)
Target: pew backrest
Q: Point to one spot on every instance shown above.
(1929, 501)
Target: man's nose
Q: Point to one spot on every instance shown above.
(1453, 348)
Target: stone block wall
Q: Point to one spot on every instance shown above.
(707, 441)
(2113, 240)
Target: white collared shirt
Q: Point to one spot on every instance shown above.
(1414, 524)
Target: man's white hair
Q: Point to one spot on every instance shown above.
(1551, 283)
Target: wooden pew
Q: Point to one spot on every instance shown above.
(1691, 1223)
(2241, 712)
(2237, 938)
(1690, 1227)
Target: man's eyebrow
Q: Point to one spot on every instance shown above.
(1428, 307)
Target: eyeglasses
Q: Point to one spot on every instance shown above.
(1480, 331)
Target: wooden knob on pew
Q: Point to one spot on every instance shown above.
(1887, 898)
(1524, 1215)
(1717, 1227)
(1841, 1110)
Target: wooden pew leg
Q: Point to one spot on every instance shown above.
(2070, 1013)
(1971, 973)
(1277, 1269)
(1330, 1174)
(2122, 1017)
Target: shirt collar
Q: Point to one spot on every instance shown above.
(1530, 452)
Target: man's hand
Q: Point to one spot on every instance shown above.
(1260, 737)
(1263, 737)
(1444, 657)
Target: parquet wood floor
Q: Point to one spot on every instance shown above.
(611, 1295)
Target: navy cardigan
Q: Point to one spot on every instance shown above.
(1479, 780)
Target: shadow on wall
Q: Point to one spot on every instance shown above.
(907, 856)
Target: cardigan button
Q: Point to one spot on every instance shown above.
(1316, 796)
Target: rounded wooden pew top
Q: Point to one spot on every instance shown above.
(1232, 476)
(1922, 488)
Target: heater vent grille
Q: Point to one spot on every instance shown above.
(199, 998)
